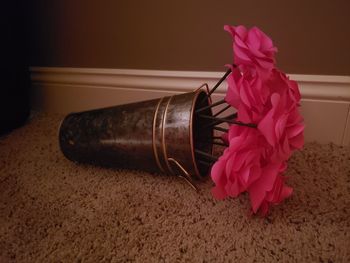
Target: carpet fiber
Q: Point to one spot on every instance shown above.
(54, 210)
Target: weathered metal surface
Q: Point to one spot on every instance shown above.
(118, 136)
(140, 135)
(178, 135)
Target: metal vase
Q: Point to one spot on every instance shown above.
(158, 136)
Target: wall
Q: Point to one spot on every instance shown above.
(313, 37)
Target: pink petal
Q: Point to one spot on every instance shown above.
(234, 189)
(253, 39)
(232, 95)
(241, 55)
(295, 90)
(230, 29)
(235, 143)
(243, 114)
(257, 196)
(265, 64)
(265, 41)
(246, 98)
(283, 167)
(295, 130)
(241, 31)
(273, 196)
(275, 101)
(298, 141)
(217, 171)
(294, 117)
(245, 174)
(224, 137)
(229, 166)
(264, 208)
(268, 178)
(280, 127)
(255, 173)
(266, 126)
(286, 192)
(239, 161)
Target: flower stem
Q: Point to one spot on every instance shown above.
(218, 121)
(205, 163)
(211, 105)
(221, 111)
(206, 155)
(221, 143)
(221, 120)
(220, 129)
(218, 84)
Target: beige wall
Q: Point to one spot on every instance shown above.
(313, 37)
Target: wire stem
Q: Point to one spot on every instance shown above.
(220, 129)
(218, 121)
(211, 105)
(220, 143)
(221, 120)
(221, 111)
(205, 163)
(218, 84)
(206, 155)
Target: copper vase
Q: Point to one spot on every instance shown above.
(158, 136)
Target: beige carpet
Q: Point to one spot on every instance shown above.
(52, 210)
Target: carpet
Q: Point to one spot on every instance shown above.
(53, 210)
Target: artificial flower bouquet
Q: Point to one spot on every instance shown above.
(175, 134)
(256, 158)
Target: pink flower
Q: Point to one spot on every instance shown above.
(268, 190)
(240, 164)
(248, 94)
(272, 105)
(246, 165)
(253, 50)
(281, 123)
(256, 158)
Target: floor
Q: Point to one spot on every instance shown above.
(52, 209)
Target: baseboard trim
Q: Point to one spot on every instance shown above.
(325, 105)
(312, 86)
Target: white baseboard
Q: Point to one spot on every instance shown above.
(325, 99)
